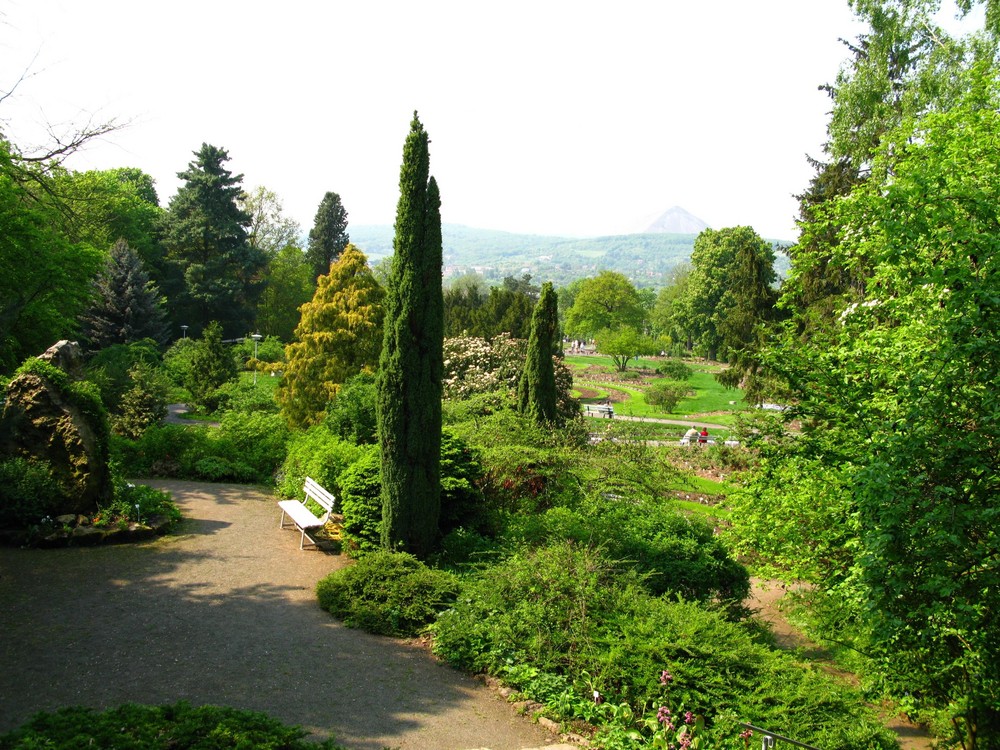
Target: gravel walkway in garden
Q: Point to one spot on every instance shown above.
(223, 612)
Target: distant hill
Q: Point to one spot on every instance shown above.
(677, 221)
(646, 259)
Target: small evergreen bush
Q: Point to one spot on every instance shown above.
(666, 395)
(361, 503)
(175, 727)
(351, 413)
(387, 593)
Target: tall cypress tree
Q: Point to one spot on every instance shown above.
(328, 237)
(536, 391)
(411, 363)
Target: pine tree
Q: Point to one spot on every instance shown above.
(536, 391)
(126, 306)
(339, 335)
(328, 237)
(217, 272)
(212, 365)
(410, 368)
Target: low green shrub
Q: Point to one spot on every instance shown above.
(316, 453)
(566, 621)
(666, 395)
(674, 369)
(257, 440)
(135, 502)
(175, 727)
(351, 413)
(244, 396)
(387, 593)
(361, 504)
(26, 487)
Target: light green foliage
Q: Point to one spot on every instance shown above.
(339, 336)
(568, 617)
(606, 302)
(666, 395)
(328, 236)
(142, 405)
(289, 284)
(411, 364)
(212, 365)
(902, 391)
(44, 276)
(387, 593)
(729, 290)
(216, 272)
(255, 439)
(316, 453)
(109, 368)
(269, 230)
(623, 345)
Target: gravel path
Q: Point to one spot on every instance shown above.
(223, 612)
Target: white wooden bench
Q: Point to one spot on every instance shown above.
(605, 410)
(301, 517)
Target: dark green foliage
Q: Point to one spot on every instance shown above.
(25, 488)
(462, 504)
(175, 727)
(127, 305)
(568, 611)
(216, 271)
(536, 391)
(361, 503)
(142, 405)
(212, 365)
(316, 453)
(109, 368)
(674, 369)
(351, 413)
(387, 593)
(328, 237)
(410, 368)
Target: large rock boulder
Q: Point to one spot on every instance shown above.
(51, 417)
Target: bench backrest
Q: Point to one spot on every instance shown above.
(316, 493)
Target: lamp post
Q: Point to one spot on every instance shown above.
(256, 337)
(184, 332)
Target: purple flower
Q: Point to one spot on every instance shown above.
(688, 717)
(663, 715)
(746, 734)
(665, 677)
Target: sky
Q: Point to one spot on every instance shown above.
(554, 117)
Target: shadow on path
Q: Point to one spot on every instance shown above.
(223, 612)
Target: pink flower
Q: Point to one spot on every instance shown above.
(663, 716)
(688, 717)
(665, 677)
(746, 734)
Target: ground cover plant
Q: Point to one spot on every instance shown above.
(173, 727)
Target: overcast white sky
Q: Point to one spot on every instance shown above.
(545, 116)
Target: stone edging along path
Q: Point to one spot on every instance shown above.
(222, 611)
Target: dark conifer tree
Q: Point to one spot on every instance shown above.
(536, 391)
(410, 368)
(217, 272)
(126, 306)
(328, 237)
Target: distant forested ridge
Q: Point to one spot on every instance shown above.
(646, 259)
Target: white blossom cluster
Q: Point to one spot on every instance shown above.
(474, 365)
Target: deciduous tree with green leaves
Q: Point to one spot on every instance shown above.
(340, 335)
(411, 365)
(608, 301)
(900, 398)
